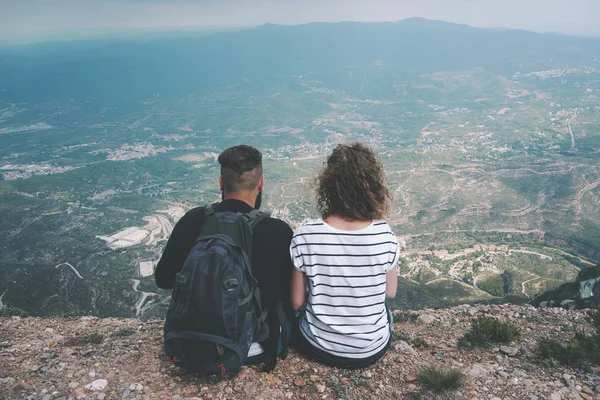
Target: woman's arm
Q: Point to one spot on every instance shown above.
(298, 289)
(391, 282)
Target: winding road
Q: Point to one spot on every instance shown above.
(1, 303)
(72, 267)
(145, 295)
(571, 133)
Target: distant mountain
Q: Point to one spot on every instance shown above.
(182, 65)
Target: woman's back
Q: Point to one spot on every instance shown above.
(346, 271)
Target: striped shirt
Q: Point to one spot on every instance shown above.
(345, 312)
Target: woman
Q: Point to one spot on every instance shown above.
(345, 263)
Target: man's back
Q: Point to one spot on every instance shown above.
(271, 264)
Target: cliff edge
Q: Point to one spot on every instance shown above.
(91, 358)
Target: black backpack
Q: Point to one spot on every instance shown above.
(215, 312)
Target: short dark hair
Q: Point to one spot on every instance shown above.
(241, 168)
(352, 185)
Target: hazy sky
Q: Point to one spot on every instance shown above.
(21, 19)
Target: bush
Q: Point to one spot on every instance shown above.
(12, 312)
(91, 338)
(400, 335)
(419, 343)
(580, 352)
(95, 338)
(570, 354)
(439, 379)
(123, 332)
(488, 330)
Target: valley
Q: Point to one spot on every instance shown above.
(493, 157)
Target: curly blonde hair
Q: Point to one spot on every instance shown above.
(352, 185)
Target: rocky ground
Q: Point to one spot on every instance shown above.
(91, 358)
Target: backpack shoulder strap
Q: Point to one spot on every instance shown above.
(254, 217)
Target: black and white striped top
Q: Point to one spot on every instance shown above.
(345, 312)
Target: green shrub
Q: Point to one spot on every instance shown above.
(440, 379)
(582, 351)
(123, 332)
(406, 316)
(12, 312)
(419, 343)
(90, 338)
(95, 338)
(570, 354)
(488, 330)
(400, 335)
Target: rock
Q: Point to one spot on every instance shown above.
(426, 319)
(478, 371)
(517, 373)
(101, 396)
(320, 388)
(125, 394)
(73, 385)
(585, 396)
(136, 386)
(300, 382)
(411, 378)
(403, 347)
(569, 381)
(7, 381)
(367, 375)
(509, 351)
(412, 387)
(98, 384)
(568, 304)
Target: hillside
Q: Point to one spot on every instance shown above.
(91, 358)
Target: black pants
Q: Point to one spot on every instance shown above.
(300, 343)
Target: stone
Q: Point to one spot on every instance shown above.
(509, 351)
(412, 387)
(403, 347)
(426, 319)
(98, 384)
(101, 396)
(569, 381)
(411, 378)
(136, 386)
(300, 382)
(568, 304)
(7, 381)
(320, 388)
(367, 374)
(125, 394)
(478, 371)
(73, 385)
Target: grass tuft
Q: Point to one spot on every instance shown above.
(488, 330)
(440, 379)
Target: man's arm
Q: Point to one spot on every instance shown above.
(178, 247)
(272, 268)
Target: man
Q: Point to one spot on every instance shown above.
(241, 183)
